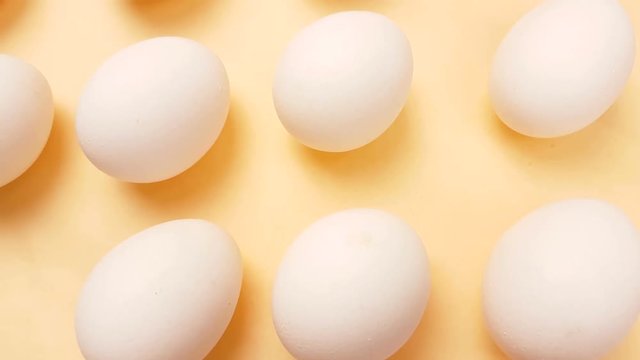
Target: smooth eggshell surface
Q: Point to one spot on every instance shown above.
(562, 66)
(26, 116)
(165, 293)
(343, 80)
(354, 285)
(153, 109)
(564, 282)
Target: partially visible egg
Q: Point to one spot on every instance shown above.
(354, 285)
(564, 282)
(562, 66)
(343, 80)
(153, 109)
(26, 116)
(165, 293)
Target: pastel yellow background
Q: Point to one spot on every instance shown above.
(447, 166)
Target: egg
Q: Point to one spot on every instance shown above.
(153, 109)
(562, 66)
(564, 282)
(26, 116)
(165, 293)
(354, 285)
(343, 80)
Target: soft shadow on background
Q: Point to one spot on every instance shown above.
(487, 341)
(592, 151)
(422, 337)
(25, 194)
(233, 337)
(627, 349)
(168, 12)
(345, 5)
(438, 312)
(11, 12)
(207, 176)
(370, 164)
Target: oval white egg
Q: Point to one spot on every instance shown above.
(165, 293)
(564, 282)
(354, 285)
(26, 116)
(562, 66)
(153, 109)
(343, 80)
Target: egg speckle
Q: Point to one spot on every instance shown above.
(353, 285)
(165, 293)
(564, 282)
(26, 116)
(562, 66)
(153, 109)
(343, 80)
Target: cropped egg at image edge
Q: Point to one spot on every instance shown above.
(447, 166)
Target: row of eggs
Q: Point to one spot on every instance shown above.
(562, 283)
(155, 108)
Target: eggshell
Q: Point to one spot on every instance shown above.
(354, 285)
(564, 282)
(343, 80)
(165, 293)
(26, 116)
(562, 66)
(153, 109)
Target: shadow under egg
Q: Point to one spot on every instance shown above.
(349, 5)
(11, 12)
(231, 343)
(203, 179)
(167, 12)
(594, 152)
(374, 164)
(22, 196)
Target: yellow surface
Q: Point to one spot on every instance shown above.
(447, 166)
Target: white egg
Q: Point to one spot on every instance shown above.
(165, 293)
(26, 116)
(562, 66)
(343, 80)
(354, 285)
(153, 109)
(564, 282)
